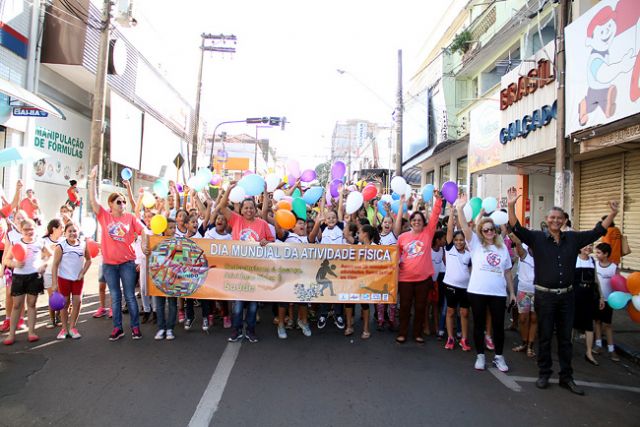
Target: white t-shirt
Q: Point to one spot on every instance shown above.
(50, 245)
(212, 233)
(457, 271)
(604, 276)
(180, 233)
(33, 260)
(489, 265)
(333, 236)
(295, 238)
(72, 260)
(14, 236)
(526, 274)
(388, 239)
(437, 257)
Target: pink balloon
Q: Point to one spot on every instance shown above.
(216, 179)
(619, 283)
(308, 175)
(291, 180)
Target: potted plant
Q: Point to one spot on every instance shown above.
(461, 42)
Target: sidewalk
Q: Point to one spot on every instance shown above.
(626, 335)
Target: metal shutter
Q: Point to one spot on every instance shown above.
(600, 182)
(631, 210)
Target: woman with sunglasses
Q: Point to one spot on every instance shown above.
(119, 231)
(489, 283)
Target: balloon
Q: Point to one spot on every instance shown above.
(284, 204)
(252, 184)
(334, 187)
(369, 192)
(619, 283)
(312, 195)
(635, 301)
(618, 300)
(158, 224)
(476, 206)
(299, 208)
(633, 283)
(468, 212)
(19, 252)
(328, 198)
(57, 301)
(399, 185)
(308, 175)
(293, 169)
(204, 174)
(161, 187)
(395, 207)
(450, 191)
(237, 194)
(285, 219)
(427, 192)
(148, 201)
(196, 182)
(338, 170)
(634, 314)
(354, 202)
(93, 247)
(216, 179)
(297, 193)
(381, 208)
(179, 188)
(272, 181)
(126, 173)
(278, 195)
(489, 204)
(395, 196)
(387, 198)
(499, 218)
(291, 180)
(89, 226)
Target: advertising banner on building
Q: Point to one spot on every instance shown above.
(484, 145)
(233, 270)
(603, 65)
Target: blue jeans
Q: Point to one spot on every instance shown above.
(114, 274)
(166, 322)
(252, 308)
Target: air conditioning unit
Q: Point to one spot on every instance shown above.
(124, 13)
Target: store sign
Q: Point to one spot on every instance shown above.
(484, 149)
(28, 112)
(529, 123)
(603, 65)
(632, 133)
(537, 77)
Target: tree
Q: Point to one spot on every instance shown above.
(323, 172)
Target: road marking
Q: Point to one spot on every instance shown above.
(505, 379)
(208, 404)
(45, 345)
(584, 384)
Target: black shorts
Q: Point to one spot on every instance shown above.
(31, 284)
(605, 315)
(456, 297)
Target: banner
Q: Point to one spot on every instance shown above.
(234, 270)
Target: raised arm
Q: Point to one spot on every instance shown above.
(512, 198)
(224, 203)
(132, 200)
(435, 212)
(341, 205)
(93, 190)
(313, 235)
(586, 237)
(450, 225)
(462, 220)
(397, 224)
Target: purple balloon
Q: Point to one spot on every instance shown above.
(338, 170)
(334, 187)
(57, 301)
(450, 191)
(291, 180)
(179, 188)
(308, 175)
(216, 179)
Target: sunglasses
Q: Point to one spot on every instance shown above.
(487, 230)
(121, 202)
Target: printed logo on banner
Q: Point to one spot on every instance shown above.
(385, 297)
(376, 297)
(366, 297)
(354, 297)
(343, 297)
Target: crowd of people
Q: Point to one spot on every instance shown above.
(450, 267)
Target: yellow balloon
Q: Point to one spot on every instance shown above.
(148, 201)
(158, 224)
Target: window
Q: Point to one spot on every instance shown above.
(462, 174)
(429, 177)
(445, 173)
(536, 40)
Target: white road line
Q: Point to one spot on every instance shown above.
(208, 404)
(583, 383)
(505, 379)
(45, 345)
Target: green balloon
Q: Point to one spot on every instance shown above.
(296, 193)
(299, 208)
(476, 206)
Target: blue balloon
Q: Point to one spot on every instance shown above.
(618, 300)
(381, 210)
(395, 196)
(395, 207)
(427, 192)
(252, 184)
(490, 204)
(126, 173)
(161, 187)
(312, 195)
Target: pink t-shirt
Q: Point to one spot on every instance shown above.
(249, 231)
(415, 250)
(118, 235)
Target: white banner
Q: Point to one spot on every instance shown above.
(126, 132)
(603, 65)
(160, 146)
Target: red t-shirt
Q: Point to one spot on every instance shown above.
(118, 235)
(414, 250)
(28, 208)
(249, 231)
(71, 194)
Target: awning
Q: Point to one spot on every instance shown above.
(29, 98)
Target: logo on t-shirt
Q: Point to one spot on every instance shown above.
(415, 248)
(248, 235)
(493, 259)
(117, 231)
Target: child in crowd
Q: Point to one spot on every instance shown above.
(51, 240)
(387, 237)
(434, 294)
(166, 323)
(605, 270)
(587, 297)
(527, 319)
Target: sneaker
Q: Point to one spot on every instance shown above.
(488, 343)
(5, 326)
(227, 322)
(187, 324)
(464, 345)
(170, 335)
(480, 361)
(235, 336)
(614, 356)
(74, 334)
(322, 322)
(57, 320)
(100, 312)
(50, 325)
(339, 322)
(116, 334)
(289, 324)
(205, 325)
(159, 335)
(306, 330)
(450, 345)
(62, 334)
(21, 324)
(380, 327)
(181, 316)
(135, 333)
(252, 337)
(282, 332)
(110, 313)
(440, 335)
(499, 362)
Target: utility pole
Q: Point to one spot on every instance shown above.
(399, 111)
(215, 40)
(561, 152)
(100, 92)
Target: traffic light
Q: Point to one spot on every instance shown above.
(274, 121)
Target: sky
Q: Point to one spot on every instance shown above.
(286, 59)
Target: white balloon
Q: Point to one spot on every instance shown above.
(499, 218)
(408, 191)
(490, 204)
(278, 195)
(468, 212)
(354, 201)
(635, 300)
(387, 198)
(399, 185)
(237, 194)
(272, 182)
(88, 226)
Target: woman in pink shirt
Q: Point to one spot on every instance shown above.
(416, 268)
(119, 231)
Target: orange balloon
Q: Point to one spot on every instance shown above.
(633, 313)
(284, 204)
(285, 219)
(94, 248)
(19, 252)
(633, 283)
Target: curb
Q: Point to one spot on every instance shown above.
(625, 351)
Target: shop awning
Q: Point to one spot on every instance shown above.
(29, 98)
